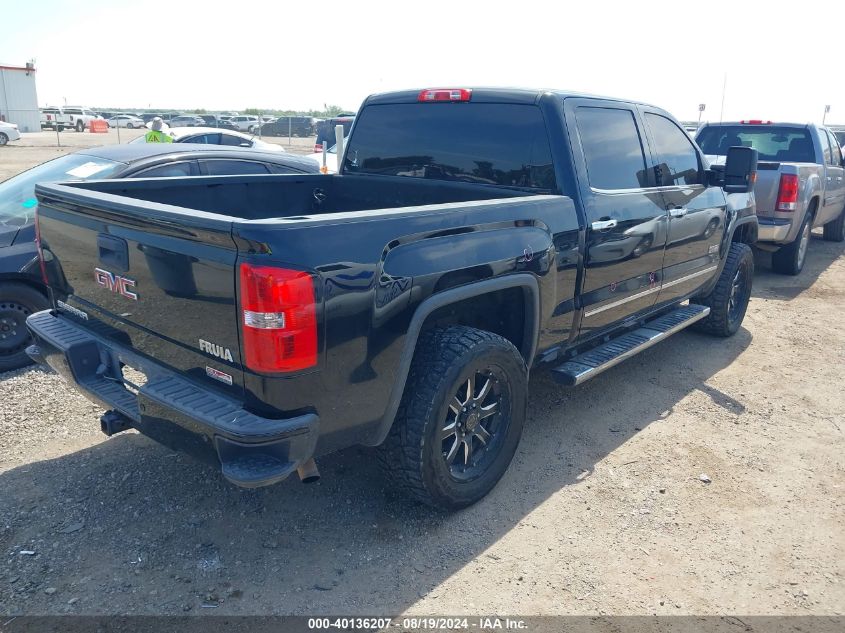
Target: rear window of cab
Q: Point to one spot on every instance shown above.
(485, 143)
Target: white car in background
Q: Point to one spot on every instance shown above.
(215, 136)
(8, 132)
(129, 121)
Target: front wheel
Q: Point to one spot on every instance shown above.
(728, 300)
(460, 419)
(17, 301)
(129, 126)
(3, 139)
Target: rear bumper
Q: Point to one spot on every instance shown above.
(252, 451)
(773, 230)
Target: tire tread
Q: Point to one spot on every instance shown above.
(401, 454)
(716, 323)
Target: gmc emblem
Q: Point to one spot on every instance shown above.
(115, 283)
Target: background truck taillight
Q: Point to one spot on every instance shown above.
(279, 318)
(787, 193)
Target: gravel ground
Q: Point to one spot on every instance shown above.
(603, 511)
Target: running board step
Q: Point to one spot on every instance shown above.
(593, 362)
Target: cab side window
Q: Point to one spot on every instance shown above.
(678, 162)
(612, 148)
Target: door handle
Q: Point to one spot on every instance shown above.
(678, 212)
(602, 225)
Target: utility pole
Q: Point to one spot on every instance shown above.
(826, 110)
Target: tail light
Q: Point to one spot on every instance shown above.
(41, 261)
(318, 147)
(445, 94)
(279, 316)
(755, 122)
(787, 193)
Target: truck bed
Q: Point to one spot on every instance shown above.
(284, 196)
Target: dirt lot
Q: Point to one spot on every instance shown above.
(603, 510)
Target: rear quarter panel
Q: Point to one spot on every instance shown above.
(377, 267)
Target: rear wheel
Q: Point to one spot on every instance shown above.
(460, 419)
(61, 128)
(834, 231)
(80, 126)
(3, 139)
(728, 300)
(17, 301)
(789, 260)
(129, 125)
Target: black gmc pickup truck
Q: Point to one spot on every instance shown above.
(469, 236)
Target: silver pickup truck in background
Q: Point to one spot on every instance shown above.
(800, 183)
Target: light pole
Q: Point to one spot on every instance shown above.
(701, 108)
(826, 110)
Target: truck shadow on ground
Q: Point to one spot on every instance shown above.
(128, 526)
(771, 285)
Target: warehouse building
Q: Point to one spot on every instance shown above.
(18, 99)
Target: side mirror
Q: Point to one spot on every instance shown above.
(740, 169)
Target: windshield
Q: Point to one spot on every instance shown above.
(773, 143)
(17, 194)
(488, 143)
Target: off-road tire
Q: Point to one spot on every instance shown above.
(788, 260)
(17, 301)
(412, 455)
(724, 320)
(834, 231)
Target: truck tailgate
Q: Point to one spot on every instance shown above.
(766, 188)
(158, 278)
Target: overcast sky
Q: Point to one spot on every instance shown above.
(291, 55)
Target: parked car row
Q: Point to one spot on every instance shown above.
(216, 136)
(67, 117)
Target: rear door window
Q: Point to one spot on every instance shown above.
(486, 143)
(206, 139)
(224, 167)
(234, 141)
(612, 148)
(170, 170)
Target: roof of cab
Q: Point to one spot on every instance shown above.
(483, 94)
